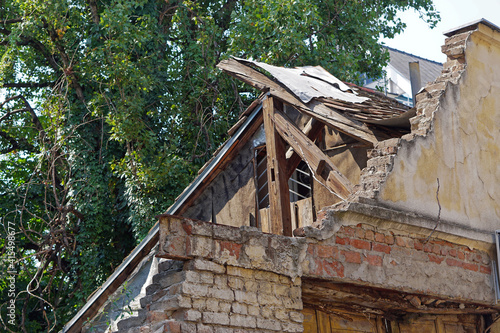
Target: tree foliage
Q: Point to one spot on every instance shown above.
(110, 106)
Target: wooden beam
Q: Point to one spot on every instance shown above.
(312, 133)
(316, 110)
(277, 182)
(320, 164)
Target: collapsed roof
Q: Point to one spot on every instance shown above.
(365, 115)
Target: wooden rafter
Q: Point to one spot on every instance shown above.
(312, 133)
(277, 180)
(319, 163)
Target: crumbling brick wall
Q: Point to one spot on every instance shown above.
(381, 158)
(228, 280)
(400, 260)
(225, 279)
(203, 296)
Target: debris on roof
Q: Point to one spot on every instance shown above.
(318, 94)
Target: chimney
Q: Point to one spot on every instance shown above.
(415, 79)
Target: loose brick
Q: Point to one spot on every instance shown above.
(460, 255)
(268, 324)
(327, 252)
(349, 231)
(381, 248)
(360, 244)
(205, 265)
(379, 237)
(243, 321)
(454, 262)
(360, 233)
(435, 258)
(342, 240)
(369, 235)
(374, 260)
(471, 267)
(436, 249)
(485, 269)
(215, 318)
(352, 257)
(389, 239)
(232, 248)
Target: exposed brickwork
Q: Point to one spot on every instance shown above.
(230, 282)
(356, 246)
(208, 297)
(378, 167)
(380, 159)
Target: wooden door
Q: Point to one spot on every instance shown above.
(317, 321)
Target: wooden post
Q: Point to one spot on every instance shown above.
(277, 182)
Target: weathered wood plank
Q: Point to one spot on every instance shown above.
(279, 197)
(312, 133)
(317, 110)
(223, 163)
(313, 156)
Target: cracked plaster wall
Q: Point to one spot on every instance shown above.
(462, 148)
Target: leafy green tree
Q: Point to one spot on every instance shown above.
(110, 106)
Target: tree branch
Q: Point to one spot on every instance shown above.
(15, 144)
(27, 85)
(94, 11)
(10, 113)
(10, 21)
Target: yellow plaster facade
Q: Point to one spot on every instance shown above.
(462, 148)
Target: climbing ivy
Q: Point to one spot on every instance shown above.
(109, 107)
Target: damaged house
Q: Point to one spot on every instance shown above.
(331, 208)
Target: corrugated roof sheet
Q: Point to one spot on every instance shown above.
(309, 82)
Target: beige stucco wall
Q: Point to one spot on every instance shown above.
(462, 149)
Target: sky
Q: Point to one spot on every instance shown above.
(420, 40)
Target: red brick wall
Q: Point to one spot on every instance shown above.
(363, 253)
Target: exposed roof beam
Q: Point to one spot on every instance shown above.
(323, 168)
(277, 180)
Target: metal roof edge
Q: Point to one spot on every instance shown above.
(155, 229)
(470, 26)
